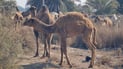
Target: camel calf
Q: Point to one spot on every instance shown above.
(71, 24)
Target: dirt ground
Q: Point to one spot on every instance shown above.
(104, 60)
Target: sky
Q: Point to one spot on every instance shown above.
(23, 2)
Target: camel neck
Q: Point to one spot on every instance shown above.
(44, 27)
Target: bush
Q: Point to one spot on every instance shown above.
(10, 44)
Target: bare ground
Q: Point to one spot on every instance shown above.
(104, 59)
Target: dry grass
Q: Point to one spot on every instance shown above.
(13, 43)
(10, 44)
(107, 37)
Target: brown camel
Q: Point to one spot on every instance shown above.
(106, 21)
(42, 15)
(71, 24)
(18, 17)
(46, 17)
(56, 15)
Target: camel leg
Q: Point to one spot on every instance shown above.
(49, 43)
(64, 51)
(37, 45)
(45, 46)
(15, 25)
(61, 44)
(93, 58)
(92, 48)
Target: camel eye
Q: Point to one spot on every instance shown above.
(31, 20)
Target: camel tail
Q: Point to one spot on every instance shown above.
(94, 37)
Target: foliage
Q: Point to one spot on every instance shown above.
(7, 6)
(70, 5)
(103, 6)
(120, 7)
(54, 5)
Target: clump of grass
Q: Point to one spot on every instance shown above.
(109, 37)
(104, 60)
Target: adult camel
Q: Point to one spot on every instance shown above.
(46, 17)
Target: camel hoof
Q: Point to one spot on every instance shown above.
(70, 66)
(42, 57)
(60, 64)
(90, 66)
(36, 56)
(47, 54)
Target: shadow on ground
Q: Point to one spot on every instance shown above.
(40, 66)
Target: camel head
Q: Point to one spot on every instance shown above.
(33, 10)
(44, 9)
(29, 22)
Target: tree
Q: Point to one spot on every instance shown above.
(120, 7)
(53, 5)
(103, 6)
(7, 7)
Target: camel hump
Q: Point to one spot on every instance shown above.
(74, 16)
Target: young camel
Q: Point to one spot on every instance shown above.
(71, 24)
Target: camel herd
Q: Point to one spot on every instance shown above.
(65, 25)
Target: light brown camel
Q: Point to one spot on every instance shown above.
(46, 17)
(106, 21)
(18, 17)
(56, 15)
(71, 24)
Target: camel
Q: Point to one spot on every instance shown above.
(56, 15)
(18, 17)
(106, 21)
(46, 17)
(71, 24)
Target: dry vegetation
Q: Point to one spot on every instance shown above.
(16, 45)
(10, 44)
